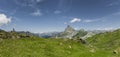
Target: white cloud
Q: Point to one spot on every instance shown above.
(107, 28)
(75, 20)
(88, 20)
(25, 3)
(115, 3)
(76, 28)
(65, 23)
(39, 0)
(4, 19)
(112, 4)
(117, 13)
(57, 12)
(37, 13)
(1, 10)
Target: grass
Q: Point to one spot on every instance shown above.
(107, 40)
(41, 47)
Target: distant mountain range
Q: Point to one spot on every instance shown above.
(70, 32)
(16, 34)
(48, 34)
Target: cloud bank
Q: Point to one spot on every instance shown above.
(75, 20)
(89, 20)
(4, 19)
(37, 13)
(39, 0)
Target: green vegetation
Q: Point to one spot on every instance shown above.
(80, 33)
(107, 39)
(101, 45)
(40, 47)
(15, 35)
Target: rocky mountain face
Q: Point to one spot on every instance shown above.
(69, 32)
(81, 33)
(92, 33)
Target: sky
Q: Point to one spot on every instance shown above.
(54, 15)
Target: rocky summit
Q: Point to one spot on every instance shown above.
(69, 32)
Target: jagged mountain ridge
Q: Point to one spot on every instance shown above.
(69, 32)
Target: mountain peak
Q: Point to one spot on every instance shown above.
(69, 29)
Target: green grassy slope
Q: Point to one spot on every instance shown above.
(109, 41)
(40, 47)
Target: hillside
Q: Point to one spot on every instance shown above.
(80, 33)
(41, 47)
(15, 34)
(106, 41)
(101, 45)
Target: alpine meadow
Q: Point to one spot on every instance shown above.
(59, 28)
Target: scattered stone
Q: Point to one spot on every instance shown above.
(92, 50)
(82, 41)
(65, 39)
(115, 52)
(17, 36)
(13, 37)
(91, 46)
(1, 39)
(61, 43)
(70, 46)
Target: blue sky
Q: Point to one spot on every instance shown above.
(55, 15)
